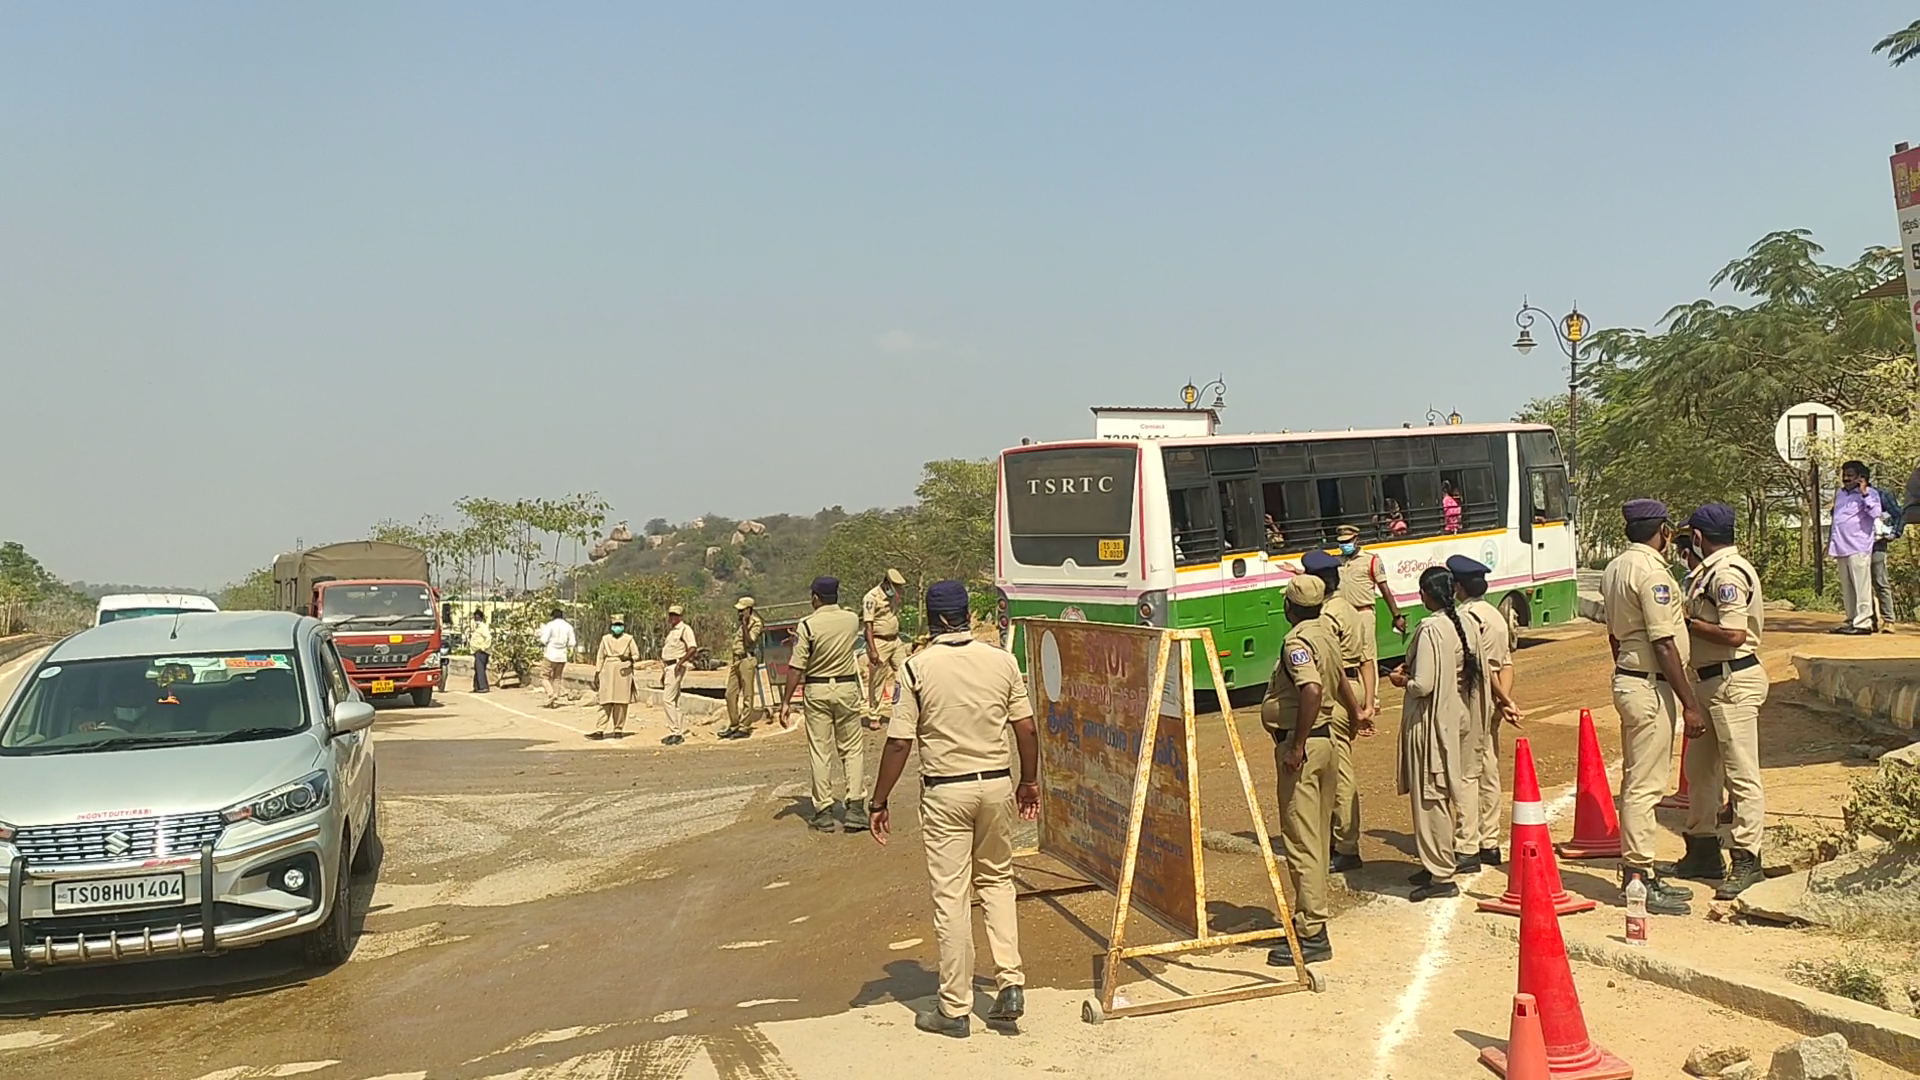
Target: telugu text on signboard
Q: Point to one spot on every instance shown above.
(1093, 684)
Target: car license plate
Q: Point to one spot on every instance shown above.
(381, 686)
(157, 890)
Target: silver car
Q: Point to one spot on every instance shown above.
(172, 786)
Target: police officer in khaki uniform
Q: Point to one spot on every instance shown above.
(676, 655)
(1650, 681)
(1363, 583)
(823, 656)
(1304, 696)
(1478, 841)
(1344, 853)
(743, 674)
(880, 618)
(958, 697)
(1724, 619)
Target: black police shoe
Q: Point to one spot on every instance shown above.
(938, 1023)
(1008, 1007)
(856, 816)
(1314, 949)
(1745, 872)
(1341, 864)
(1420, 878)
(1662, 898)
(1702, 861)
(1466, 865)
(822, 820)
(1433, 890)
(1490, 856)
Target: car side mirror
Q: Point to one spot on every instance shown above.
(350, 716)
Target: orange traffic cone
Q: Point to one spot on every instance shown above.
(1596, 825)
(1530, 824)
(1678, 800)
(1526, 1054)
(1546, 976)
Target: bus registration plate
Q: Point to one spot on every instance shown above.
(1113, 550)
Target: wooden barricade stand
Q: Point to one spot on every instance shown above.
(1071, 777)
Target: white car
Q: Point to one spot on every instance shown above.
(148, 811)
(139, 605)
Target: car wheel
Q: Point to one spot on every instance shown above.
(330, 943)
(367, 858)
(423, 697)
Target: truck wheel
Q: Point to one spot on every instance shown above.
(329, 944)
(423, 697)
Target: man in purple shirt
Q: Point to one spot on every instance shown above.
(1856, 508)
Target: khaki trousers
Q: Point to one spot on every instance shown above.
(1647, 713)
(968, 831)
(1435, 833)
(1729, 754)
(612, 713)
(1856, 589)
(1344, 823)
(1477, 814)
(671, 677)
(882, 672)
(832, 712)
(550, 678)
(1305, 798)
(742, 678)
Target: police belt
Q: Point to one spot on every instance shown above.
(832, 678)
(1654, 675)
(990, 774)
(888, 637)
(1714, 671)
(1352, 672)
(1324, 731)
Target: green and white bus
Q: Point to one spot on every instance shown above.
(1205, 531)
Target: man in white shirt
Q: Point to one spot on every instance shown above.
(676, 652)
(557, 642)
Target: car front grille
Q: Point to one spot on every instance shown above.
(118, 841)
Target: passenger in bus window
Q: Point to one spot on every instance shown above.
(1396, 521)
(1450, 506)
(1276, 540)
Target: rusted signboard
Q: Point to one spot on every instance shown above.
(1093, 686)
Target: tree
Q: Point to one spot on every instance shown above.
(255, 592)
(1902, 45)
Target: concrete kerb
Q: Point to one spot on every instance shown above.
(1883, 697)
(12, 648)
(1870, 1030)
(579, 677)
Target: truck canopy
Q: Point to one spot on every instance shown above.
(296, 573)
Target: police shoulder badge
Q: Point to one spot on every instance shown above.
(1298, 655)
(1729, 592)
(1662, 594)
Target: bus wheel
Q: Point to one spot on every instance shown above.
(1510, 611)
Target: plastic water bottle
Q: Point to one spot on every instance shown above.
(1637, 911)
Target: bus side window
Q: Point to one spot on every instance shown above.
(1196, 536)
(1479, 502)
(1549, 496)
(1347, 500)
(1295, 515)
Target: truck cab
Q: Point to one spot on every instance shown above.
(384, 614)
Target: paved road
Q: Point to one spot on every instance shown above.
(556, 909)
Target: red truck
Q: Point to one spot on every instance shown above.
(384, 613)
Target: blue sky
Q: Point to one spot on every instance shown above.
(273, 272)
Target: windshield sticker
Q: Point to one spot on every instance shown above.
(256, 661)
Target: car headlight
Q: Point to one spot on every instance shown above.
(303, 796)
(6, 831)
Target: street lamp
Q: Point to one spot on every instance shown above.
(1569, 330)
(1190, 394)
(1434, 418)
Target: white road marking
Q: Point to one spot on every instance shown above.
(778, 884)
(486, 699)
(298, 1067)
(400, 1076)
(670, 1016)
(747, 944)
(1433, 958)
(27, 1040)
(907, 944)
(798, 921)
(756, 1002)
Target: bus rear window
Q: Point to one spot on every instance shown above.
(1074, 503)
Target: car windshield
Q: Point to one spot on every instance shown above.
(132, 702)
(393, 607)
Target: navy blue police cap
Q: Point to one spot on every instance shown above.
(826, 588)
(946, 598)
(1714, 519)
(1460, 566)
(1644, 510)
(1316, 561)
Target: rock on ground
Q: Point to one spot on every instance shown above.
(1786, 848)
(1745, 1070)
(1877, 882)
(1824, 1058)
(1715, 1060)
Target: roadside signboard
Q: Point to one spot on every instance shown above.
(1906, 202)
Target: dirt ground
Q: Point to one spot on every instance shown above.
(558, 909)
